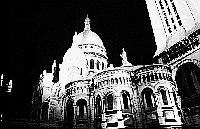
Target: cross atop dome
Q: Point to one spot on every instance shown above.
(87, 23)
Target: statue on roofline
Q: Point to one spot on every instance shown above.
(124, 58)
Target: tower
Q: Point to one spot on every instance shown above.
(176, 28)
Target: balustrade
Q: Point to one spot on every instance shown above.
(180, 48)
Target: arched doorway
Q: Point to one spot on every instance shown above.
(188, 81)
(147, 98)
(126, 99)
(81, 108)
(81, 114)
(69, 117)
(150, 116)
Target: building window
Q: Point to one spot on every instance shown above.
(116, 81)
(81, 71)
(125, 100)
(81, 103)
(175, 27)
(102, 65)
(91, 64)
(112, 81)
(147, 97)
(98, 99)
(110, 101)
(164, 97)
(98, 64)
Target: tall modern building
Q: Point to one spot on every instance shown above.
(85, 91)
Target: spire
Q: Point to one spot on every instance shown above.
(87, 23)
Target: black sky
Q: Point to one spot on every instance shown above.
(41, 31)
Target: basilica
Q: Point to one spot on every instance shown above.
(85, 91)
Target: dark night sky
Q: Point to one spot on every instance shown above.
(41, 31)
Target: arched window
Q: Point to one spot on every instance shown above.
(164, 97)
(91, 64)
(144, 78)
(112, 81)
(82, 104)
(98, 64)
(125, 100)
(156, 76)
(160, 76)
(148, 78)
(147, 96)
(116, 80)
(102, 65)
(124, 80)
(81, 72)
(120, 79)
(110, 101)
(98, 99)
(188, 80)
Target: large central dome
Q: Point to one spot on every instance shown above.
(88, 36)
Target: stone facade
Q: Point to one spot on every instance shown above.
(85, 92)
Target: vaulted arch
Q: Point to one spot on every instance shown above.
(147, 97)
(126, 99)
(188, 79)
(82, 107)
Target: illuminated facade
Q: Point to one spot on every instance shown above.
(85, 92)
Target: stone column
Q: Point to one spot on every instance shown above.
(119, 112)
(103, 124)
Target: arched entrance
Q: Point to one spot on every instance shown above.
(147, 98)
(81, 114)
(149, 111)
(188, 83)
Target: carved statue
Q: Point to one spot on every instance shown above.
(124, 58)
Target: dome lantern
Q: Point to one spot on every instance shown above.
(87, 23)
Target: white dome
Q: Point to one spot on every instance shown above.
(89, 37)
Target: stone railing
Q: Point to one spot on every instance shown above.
(180, 48)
